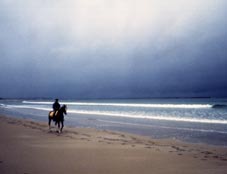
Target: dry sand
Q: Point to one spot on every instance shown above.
(28, 147)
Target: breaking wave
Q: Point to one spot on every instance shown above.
(195, 115)
(183, 106)
(164, 118)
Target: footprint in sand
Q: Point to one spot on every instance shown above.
(84, 139)
(203, 159)
(207, 153)
(148, 147)
(223, 159)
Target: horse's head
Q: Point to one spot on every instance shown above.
(64, 107)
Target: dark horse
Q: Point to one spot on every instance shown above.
(58, 117)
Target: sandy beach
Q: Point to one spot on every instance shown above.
(28, 147)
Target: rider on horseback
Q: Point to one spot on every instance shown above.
(57, 115)
(52, 114)
(56, 106)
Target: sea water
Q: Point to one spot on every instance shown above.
(193, 120)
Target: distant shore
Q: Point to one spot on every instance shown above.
(29, 147)
(113, 98)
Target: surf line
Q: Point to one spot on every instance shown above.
(192, 120)
(183, 106)
(177, 119)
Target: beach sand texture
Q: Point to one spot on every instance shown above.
(28, 147)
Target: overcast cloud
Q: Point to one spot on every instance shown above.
(113, 48)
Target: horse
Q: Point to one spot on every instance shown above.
(58, 117)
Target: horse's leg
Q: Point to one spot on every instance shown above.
(62, 125)
(49, 121)
(58, 122)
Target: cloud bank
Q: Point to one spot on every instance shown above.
(105, 49)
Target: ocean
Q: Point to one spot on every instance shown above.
(193, 120)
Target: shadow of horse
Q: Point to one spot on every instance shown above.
(57, 117)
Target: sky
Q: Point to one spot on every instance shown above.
(113, 48)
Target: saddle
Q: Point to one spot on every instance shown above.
(52, 113)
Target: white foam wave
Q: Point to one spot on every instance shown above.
(193, 120)
(36, 102)
(26, 107)
(128, 115)
(182, 106)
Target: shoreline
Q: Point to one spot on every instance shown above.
(29, 147)
(194, 125)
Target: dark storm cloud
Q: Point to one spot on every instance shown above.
(55, 49)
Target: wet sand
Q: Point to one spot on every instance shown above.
(28, 147)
